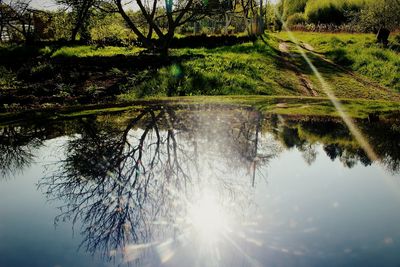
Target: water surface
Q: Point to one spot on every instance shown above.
(198, 186)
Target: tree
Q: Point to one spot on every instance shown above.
(380, 13)
(173, 13)
(81, 13)
(3, 18)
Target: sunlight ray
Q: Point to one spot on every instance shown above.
(355, 131)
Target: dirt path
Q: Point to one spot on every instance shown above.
(359, 78)
(342, 82)
(306, 84)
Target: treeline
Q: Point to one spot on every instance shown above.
(151, 24)
(348, 15)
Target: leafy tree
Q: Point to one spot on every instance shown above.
(109, 26)
(295, 19)
(380, 13)
(61, 25)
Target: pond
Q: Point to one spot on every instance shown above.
(199, 185)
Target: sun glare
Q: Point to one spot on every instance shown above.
(207, 218)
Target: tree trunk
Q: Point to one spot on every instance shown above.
(1, 32)
(81, 17)
(165, 44)
(74, 33)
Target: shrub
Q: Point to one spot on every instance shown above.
(8, 79)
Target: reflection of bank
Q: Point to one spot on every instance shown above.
(154, 178)
(339, 144)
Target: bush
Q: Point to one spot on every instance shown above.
(296, 19)
(293, 7)
(332, 11)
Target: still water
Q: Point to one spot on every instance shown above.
(198, 186)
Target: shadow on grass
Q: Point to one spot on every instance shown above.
(78, 80)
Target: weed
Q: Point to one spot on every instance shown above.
(8, 79)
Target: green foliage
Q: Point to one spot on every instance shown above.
(42, 71)
(60, 25)
(64, 90)
(360, 15)
(110, 27)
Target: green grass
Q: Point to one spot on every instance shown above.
(358, 52)
(93, 51)
(254, 69)
(243, 69)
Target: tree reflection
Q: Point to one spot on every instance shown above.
(17, 147)
(129, 185)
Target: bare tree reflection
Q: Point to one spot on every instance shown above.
(129, 185)
(108, 182)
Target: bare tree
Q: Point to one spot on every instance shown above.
(18, 16)
(175, 14)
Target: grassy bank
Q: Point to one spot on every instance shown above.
(358, 52)
(54, 76)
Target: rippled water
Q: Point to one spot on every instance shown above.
(198, 186)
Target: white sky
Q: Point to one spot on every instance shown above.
(43, 4)
(51, 5)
